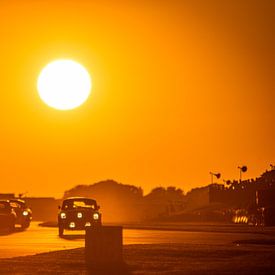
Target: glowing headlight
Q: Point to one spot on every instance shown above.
(95, 216)
(87, 224)
(63, 215)
(72, 225)
(25, 213)
(79, 215)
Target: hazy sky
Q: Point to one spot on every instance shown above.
(180, 88)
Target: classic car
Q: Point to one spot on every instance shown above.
(7, 216)
(23, 213)
(77, 213)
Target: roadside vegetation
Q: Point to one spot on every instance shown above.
(165, 259)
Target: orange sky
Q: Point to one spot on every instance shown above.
(180, 88)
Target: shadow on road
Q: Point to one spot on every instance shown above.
(73, 237)
(4, 231)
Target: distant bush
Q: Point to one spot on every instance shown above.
(119, 202)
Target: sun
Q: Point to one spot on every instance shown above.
(64, 84)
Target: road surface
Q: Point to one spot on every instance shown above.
(39, 239)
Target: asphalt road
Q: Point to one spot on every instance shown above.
(39, 239)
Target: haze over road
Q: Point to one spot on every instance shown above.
(39, 239)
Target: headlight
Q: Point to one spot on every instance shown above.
(25, 213)
(95, 216)
(72, 225)
(79, 215)
(63, 215)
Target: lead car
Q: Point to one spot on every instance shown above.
(77, 213)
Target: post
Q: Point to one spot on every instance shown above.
(243, 169)
(103, 248)
(240, 175)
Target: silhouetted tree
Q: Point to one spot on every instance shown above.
(164, 201)
(119, 202)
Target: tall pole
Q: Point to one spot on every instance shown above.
(240, 175)
(217, 175)
(242, 170)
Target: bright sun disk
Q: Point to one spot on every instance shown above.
(64, 84)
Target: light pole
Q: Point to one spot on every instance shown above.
(243, 169)
(217, 175)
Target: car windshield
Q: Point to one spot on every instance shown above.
(15, 203)
(74, 204)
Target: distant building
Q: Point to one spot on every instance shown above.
(7, 196)
(242, 194)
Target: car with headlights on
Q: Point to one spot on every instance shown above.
(23, 213)
(77, 213)
(7, 216)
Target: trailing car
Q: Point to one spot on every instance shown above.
(77, 213)
(7, 216)
(23, 213)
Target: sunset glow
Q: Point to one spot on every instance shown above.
(64, 84)
(179, 88)
(137, 137)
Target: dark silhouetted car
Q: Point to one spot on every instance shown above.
(23, 213)
(7, 216)
(77, 213)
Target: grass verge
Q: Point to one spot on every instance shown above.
(155, 259)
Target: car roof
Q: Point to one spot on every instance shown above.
(78, 198)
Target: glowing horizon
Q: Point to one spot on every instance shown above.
(180, 88)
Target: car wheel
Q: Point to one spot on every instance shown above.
(60, 231)
(11, 227)
(25, 225)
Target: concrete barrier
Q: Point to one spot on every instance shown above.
(104, 248)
